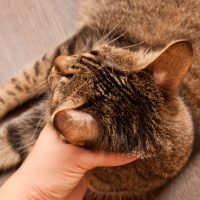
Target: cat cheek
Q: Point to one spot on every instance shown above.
(76, 126)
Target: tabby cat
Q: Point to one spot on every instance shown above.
(127, 81)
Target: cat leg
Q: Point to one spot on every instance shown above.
(28, 84)
(8, 156)
(32, 82)
(18, 136)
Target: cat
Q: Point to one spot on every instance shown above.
(126, 82)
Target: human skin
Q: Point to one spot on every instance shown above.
(55, 170)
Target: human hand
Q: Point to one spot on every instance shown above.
(55, 170)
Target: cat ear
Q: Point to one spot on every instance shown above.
(171, 65)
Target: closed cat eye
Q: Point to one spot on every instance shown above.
(69, 76)
(94, 52)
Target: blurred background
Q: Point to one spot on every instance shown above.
(29, 29)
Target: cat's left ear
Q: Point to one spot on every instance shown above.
(171, 65)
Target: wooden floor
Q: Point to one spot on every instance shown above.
(29, 28)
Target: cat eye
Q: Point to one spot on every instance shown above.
(94, 52)
(69, 76)
(75, 67)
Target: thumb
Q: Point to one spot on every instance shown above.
(86, 158)
(91, 160)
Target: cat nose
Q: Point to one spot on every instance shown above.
(66, 65)
(60, 61)
(63, 63)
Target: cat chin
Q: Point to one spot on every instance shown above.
(103, 185)
(76, 126)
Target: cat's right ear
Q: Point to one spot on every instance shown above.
(171, 65)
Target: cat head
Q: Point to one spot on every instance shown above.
(116, 100)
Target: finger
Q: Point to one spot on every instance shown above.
(79, 191)
(91, 160)
(88, 159)
(109, 160)
(49, 133)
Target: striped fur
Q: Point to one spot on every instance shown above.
(124, 69)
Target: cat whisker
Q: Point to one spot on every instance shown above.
(133, 45)
(108, 20)
(111, 31)
(35, 91)
(38, 125)
(9, 146)
(121, 35)
(38, 87)
(26, 146)
(98, 26)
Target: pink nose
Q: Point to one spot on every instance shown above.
(62, 62)
(66, 65)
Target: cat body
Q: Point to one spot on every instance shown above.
(128, 73)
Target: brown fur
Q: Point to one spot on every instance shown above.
(125, 77)
(157, 108)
